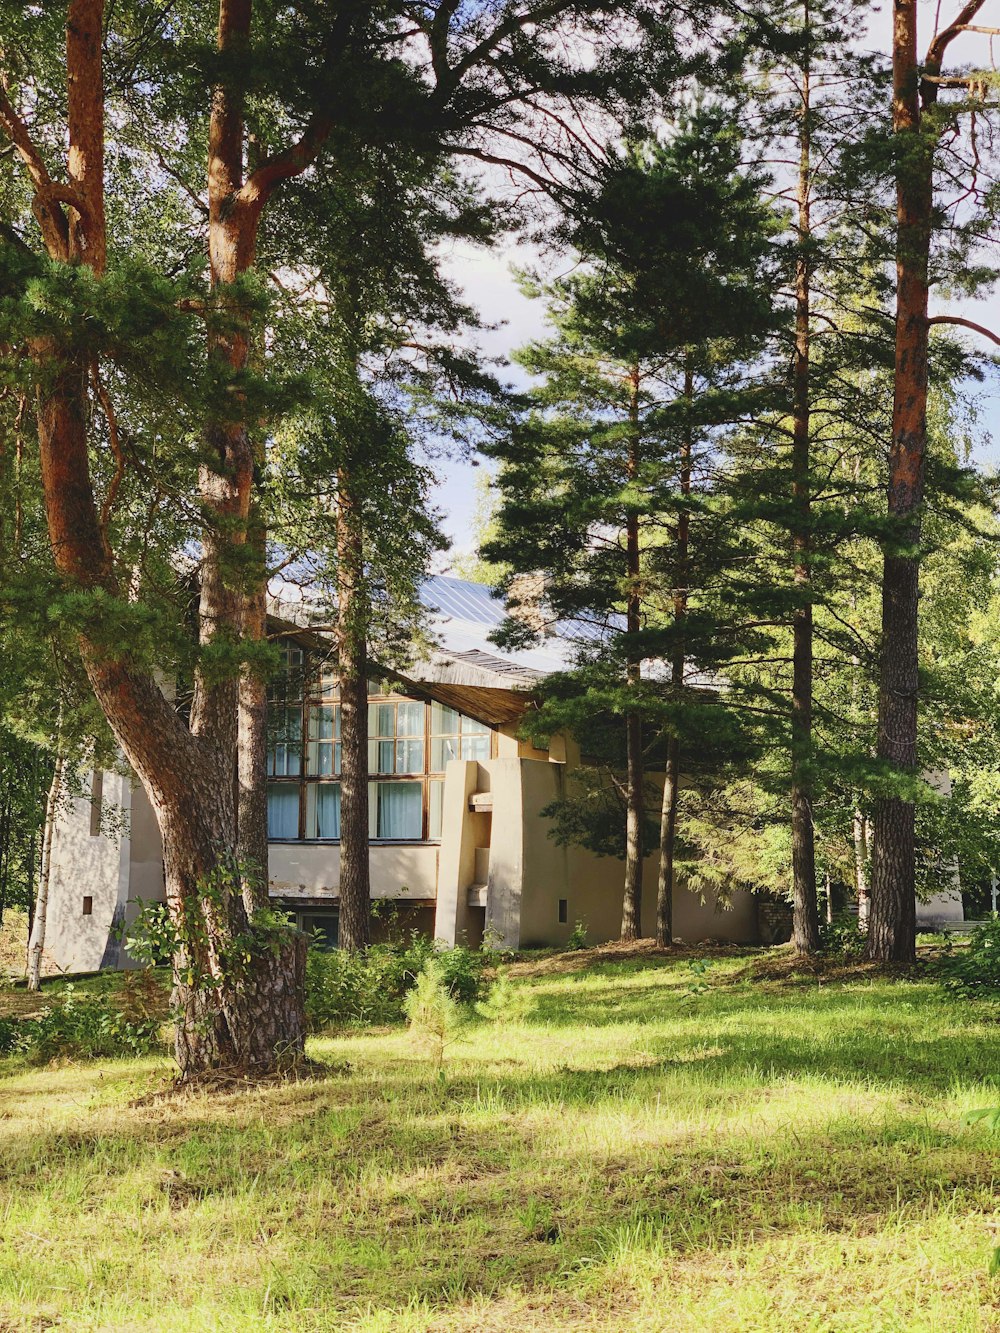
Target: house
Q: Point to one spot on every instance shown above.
(459, 845)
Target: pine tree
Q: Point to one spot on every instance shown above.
(597, 480)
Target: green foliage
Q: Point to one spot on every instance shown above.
(371, 987)
(506, 1002)
(434, 1016)
(841, 937)
(90, 1027)
(975, 970)
(698, 980)
(157, 935)
(577, 936)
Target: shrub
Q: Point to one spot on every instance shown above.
(370, 987)
(976, 969)
(841, 936)
(577, 937)
(106, 1027)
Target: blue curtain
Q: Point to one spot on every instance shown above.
(327, 811)
(283, 810)
(400, 808)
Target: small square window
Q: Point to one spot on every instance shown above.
(563, 911)
(88, 906)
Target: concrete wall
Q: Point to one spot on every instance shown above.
(404, 871)
(91, 865)
(530, 873)
(526, 872)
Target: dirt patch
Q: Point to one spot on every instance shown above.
(645, 951)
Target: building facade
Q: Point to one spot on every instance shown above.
(460, 848)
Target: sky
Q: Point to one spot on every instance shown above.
(488, 282)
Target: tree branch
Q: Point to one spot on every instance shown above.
(48, 195)
(965, 324)
(285, 165)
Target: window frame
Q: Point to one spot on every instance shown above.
(314, 689)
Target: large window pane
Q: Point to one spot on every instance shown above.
(285, 749)
(398, 810)
(410, 756)
(323, 810)
(283, 810)
(435, 796)
(444, 721)
(409, 719)
(443, 748)
(286, 685)
(476, 747)
(324, 736)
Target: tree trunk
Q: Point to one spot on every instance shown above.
(352, 657)
(36, 942)
(234, 1012)
(892, 924)
(252, 744)
(634, 803)
(861, 869)
(805, 913)
(672, 773)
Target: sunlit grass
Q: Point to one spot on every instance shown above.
(787, 1153)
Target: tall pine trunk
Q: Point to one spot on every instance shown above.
(352, 668)
(241, 999)
(251, 814)
(634, 803)
(805, 914)
(892, 918)
(672, 773)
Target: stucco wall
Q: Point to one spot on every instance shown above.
(312, 869)
(530, 873)
(91, 865)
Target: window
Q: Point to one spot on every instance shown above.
(323, 928)
(285, 736)
(455, 736)
(409, 744)
(324, 740)
(282, 811)
(323, 810)
(563, 911)
(88, 906)
(396, 737)
(396, 810)
(435, 803)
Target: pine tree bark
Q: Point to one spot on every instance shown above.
(352, 660)
(634, 803)
(892, 920)
(805, 913)
(247, 1015)
(672, 773)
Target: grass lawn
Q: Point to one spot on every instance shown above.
(781, 1151)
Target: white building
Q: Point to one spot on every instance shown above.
(458, 841)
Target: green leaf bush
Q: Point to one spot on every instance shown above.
(371, 987)
(976, 970)
(86, 1027)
